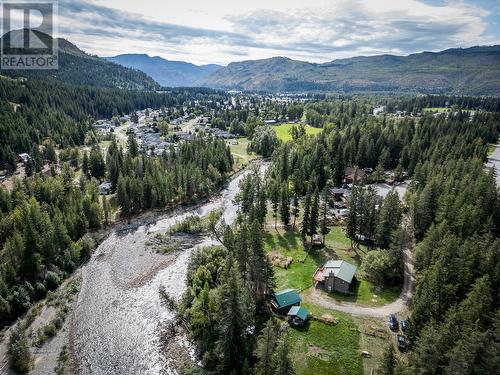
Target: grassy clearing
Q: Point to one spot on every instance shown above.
(374, 337)
(319, 348)
(283, 131)
(364, 294)
(240, 154)
(437, 109)
(300, 272)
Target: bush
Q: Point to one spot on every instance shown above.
(381, 267)
(19, 299)
(52, 280)
(190, 225)
(19, 352)
(40, 290)
(50, 330)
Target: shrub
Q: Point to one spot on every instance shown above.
(19, 352)
(52, 280)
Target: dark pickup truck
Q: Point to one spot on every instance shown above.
(393, 322)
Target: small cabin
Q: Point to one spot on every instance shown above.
(284, 300)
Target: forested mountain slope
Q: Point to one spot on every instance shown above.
(474, 71)
(78, 68)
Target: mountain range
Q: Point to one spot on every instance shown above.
(166, 72)
(470, 71)
(474, 71)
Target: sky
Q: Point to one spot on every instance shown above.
(222, 31)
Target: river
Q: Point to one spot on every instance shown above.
(494, 161)
(116, 320)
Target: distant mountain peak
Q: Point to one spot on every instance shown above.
(168, 73)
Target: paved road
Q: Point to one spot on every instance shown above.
(322, 299)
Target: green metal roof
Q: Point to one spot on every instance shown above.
(299, 311)
(287, 297)
(341, 269)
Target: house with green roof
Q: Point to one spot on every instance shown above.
(298, 315)
(282, 301)
(335, 275)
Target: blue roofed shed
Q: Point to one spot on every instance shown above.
(298, 315)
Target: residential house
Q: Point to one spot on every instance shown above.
(24, 157)
(353, 174)
(335, 275)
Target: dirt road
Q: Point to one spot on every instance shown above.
(322, 299)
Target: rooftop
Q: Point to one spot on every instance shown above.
(299, 311)
(341, 269)
(287, 297)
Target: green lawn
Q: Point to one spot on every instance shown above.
(323, 349)
(364, 294)
(299, 274)
(283, 131)
(437, 109)
(240, 154)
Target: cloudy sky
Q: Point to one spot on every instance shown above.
(221, 31)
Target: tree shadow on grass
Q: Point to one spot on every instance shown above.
(288, 240)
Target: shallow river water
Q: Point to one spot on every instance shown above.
(116, 320)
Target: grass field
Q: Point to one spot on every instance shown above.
(299, 274)
(437, 109)
(323, 349)
(319, 348)
(240, 154)
(283, 131)
(337, 246)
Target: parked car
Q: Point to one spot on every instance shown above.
(404, 325)
(402, 345)
(393, 322)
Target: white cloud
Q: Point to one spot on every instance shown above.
(221, 31)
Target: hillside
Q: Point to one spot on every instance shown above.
(165, 72)
(79, 68)
(474, 71)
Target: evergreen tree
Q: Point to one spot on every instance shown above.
(283, 361)
(85, 165)
(133, 147)
(324, 212)
(96, 163)
(314, 214)
(265, 349)
(285, 205)
(233, 319)
(306, 216)
(389, 219)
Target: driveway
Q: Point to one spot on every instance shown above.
(322, 299)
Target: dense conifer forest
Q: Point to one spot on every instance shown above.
(454, 214)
